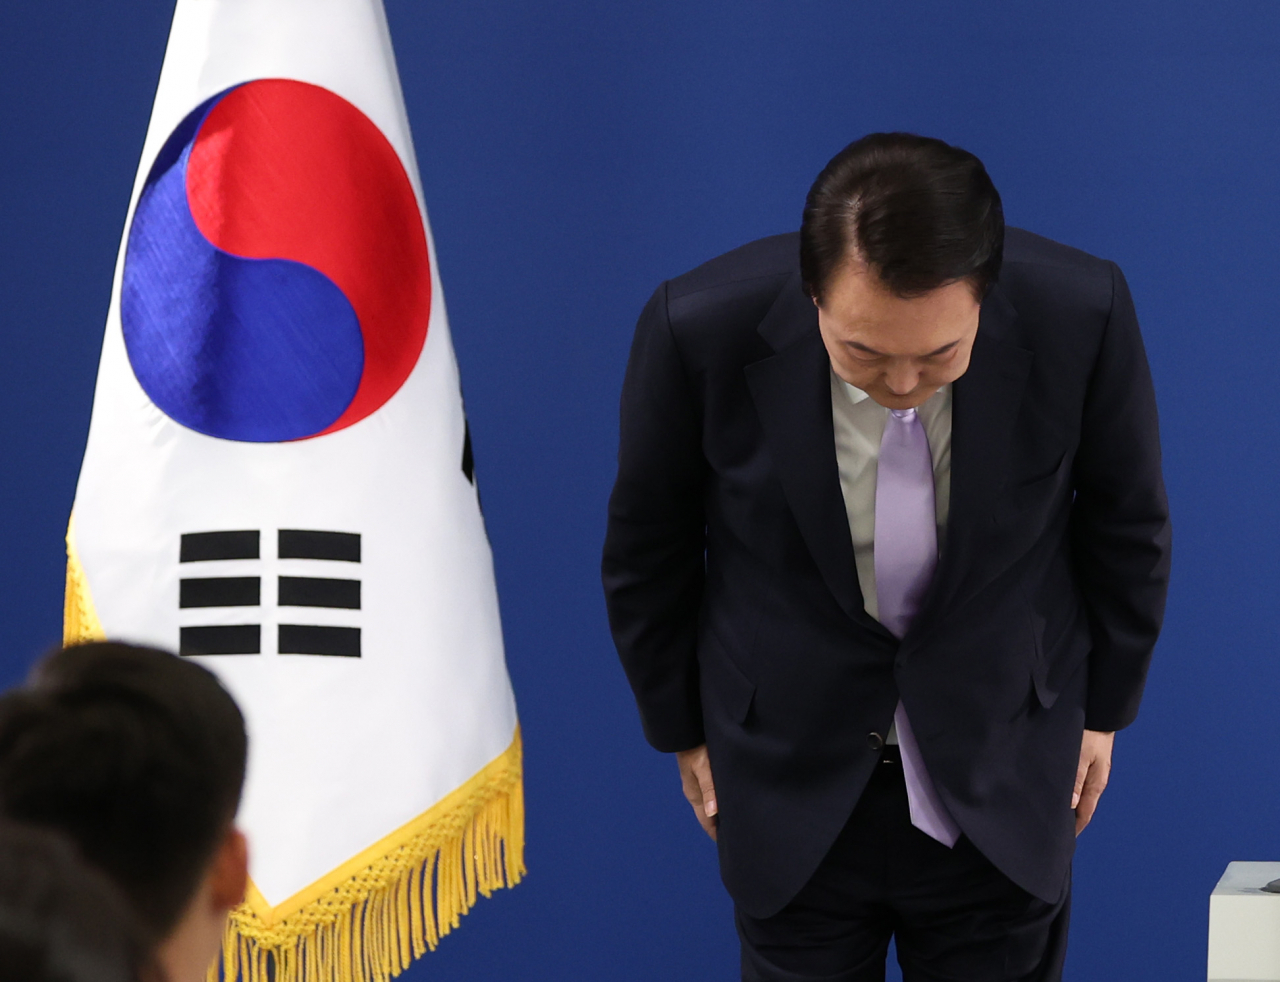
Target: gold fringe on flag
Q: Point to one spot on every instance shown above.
(79, 617)
(371, 917)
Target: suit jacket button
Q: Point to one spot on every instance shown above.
(875, 741)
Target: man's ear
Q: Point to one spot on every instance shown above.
(230, 870)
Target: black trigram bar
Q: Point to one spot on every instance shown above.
(227, 639)
(468, 458)
(303, 544)
(220, 591)
(305, 639)
(200, 547)
(315, 591)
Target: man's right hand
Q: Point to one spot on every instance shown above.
(695, 775)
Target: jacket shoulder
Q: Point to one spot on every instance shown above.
(774, 256)
(1023, 248)
(743, 281)
(1039, 271)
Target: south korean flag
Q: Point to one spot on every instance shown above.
(279, 483)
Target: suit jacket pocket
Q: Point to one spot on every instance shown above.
(1037, 491)
(723, 682)
(1056, 663)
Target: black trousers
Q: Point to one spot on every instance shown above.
(955, 917)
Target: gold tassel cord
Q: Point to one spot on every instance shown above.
(79, 616)
(370, 918)
(370, 925)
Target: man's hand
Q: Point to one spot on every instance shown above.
(1091, 775)
(695, 775)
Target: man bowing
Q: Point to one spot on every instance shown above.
(886, 559)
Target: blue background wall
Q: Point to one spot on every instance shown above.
(574, 154)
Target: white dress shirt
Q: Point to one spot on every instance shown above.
(859, 425)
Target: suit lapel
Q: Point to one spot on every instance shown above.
(984, 407)
(792, 395)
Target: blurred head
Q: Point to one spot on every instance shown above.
(61, 920)
(137, 756)
(901, 239)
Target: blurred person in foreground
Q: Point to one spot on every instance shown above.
(62, 920)
(886, 561)
(138, 756)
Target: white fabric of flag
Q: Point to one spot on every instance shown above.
(278, 479)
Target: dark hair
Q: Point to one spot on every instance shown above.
(137, 755)
(60, 919)
(919, 212)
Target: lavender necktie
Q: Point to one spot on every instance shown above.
(906, 553)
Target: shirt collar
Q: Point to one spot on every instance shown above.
(857, 395)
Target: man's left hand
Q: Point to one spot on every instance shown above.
(1091, 775)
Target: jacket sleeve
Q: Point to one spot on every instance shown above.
(654, 550)
(1120, 532)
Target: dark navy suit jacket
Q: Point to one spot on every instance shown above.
(734, 600)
